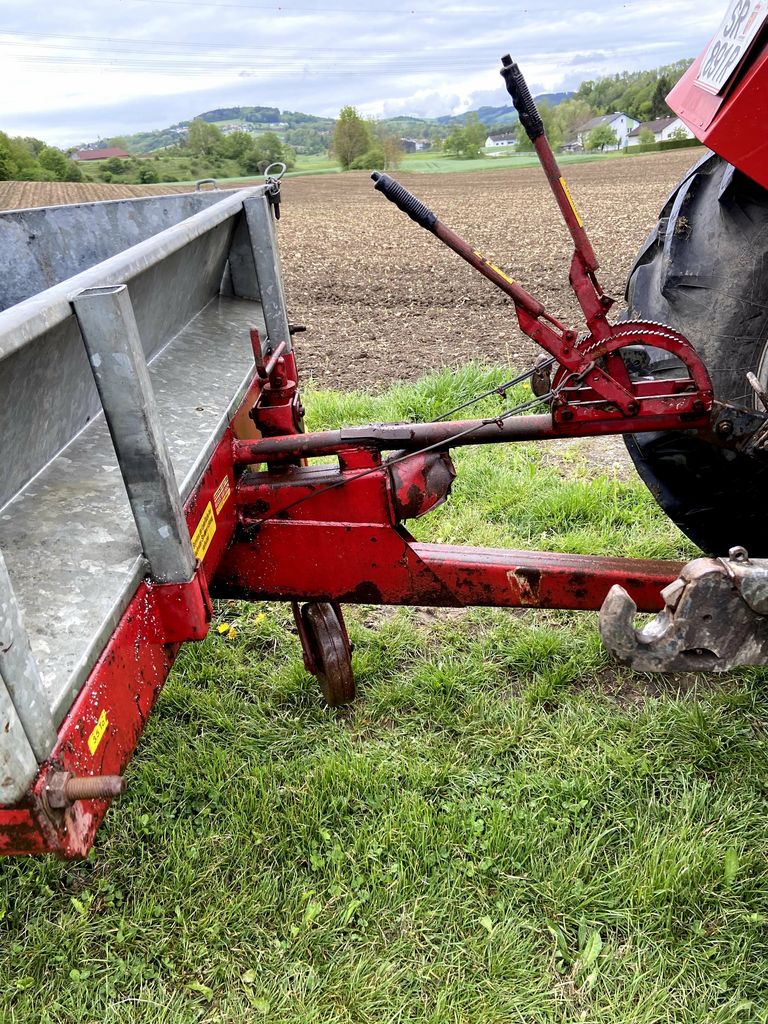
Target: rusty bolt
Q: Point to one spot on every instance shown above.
(566, 414)
(725, 427)
(738, 554)
(62, 789)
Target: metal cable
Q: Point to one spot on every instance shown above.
(444, 443)
(500, 390)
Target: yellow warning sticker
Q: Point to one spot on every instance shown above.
(203, 535)
(572, 204)
(221, 495)
(493, 267)
(98, 733)
(501, 273)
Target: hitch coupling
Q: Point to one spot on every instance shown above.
(715, 617)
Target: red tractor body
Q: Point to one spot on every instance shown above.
(731, 121)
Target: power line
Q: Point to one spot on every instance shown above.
(129, 58)
(19, 38)
(365, 12)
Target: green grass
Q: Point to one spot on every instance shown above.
(188, 170)
(503, 828)
(437, 163)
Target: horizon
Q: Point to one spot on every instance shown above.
(154, 61)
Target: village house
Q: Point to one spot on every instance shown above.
(621, 124)
(663, 128)
(501, 139)
(100, 154)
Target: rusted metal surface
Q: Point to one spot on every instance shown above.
(412, 437)
(592, 383)
(421, 483)
(99, 734)
(62, 789)
(278, 409)
(328, 651)
(323, 534)
(714, 618)
(331, 533)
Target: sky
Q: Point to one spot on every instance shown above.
(73, 71)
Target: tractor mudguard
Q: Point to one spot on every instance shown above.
(730, 122)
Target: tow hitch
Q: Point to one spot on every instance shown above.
(715, 617)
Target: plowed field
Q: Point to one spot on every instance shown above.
(384, 300)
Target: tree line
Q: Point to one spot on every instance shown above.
(29, 159)
(356, 142)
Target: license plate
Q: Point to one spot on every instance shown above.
(738, 29)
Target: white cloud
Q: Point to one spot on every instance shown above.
(79, 70)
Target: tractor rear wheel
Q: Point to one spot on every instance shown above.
(704, 271)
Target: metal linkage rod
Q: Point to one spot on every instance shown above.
(413, 437)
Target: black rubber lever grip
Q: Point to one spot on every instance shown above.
(404, 200)
(517, 88)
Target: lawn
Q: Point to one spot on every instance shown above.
(505, 827)
(437, 163)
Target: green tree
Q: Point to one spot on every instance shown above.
(370, 160)
(18, 161)
(659, 106)
(601, 136)
(267, 149)
(6, 159)
(679, 134)
(58, 165)
(385, 151)
(551, 127)
(237, 145)
(148, 175)
(475, 134)
(35, 146)
(641, 94)
(203, 139)
(570, 115)
(466, 141)
(351, 137)
(646, 136)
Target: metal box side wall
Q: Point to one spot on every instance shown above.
(43, 247)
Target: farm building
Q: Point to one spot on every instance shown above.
(502, 139)
(622, 125)
(663, 128)
(414, 145)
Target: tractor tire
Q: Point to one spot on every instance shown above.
(704, 271)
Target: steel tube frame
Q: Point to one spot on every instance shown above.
(112, 340)
(413, 437)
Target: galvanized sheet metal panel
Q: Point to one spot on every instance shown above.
(66, 528)
(42, 247)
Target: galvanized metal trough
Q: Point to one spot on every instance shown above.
(141, 309)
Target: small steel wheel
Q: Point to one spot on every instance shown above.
(330, 652)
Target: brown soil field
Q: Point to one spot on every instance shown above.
(383, 300)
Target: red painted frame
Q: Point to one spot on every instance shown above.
(296, 532)
(731, 123)
(345, 542)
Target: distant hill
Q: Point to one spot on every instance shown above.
(501, 115)
(291, 125)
